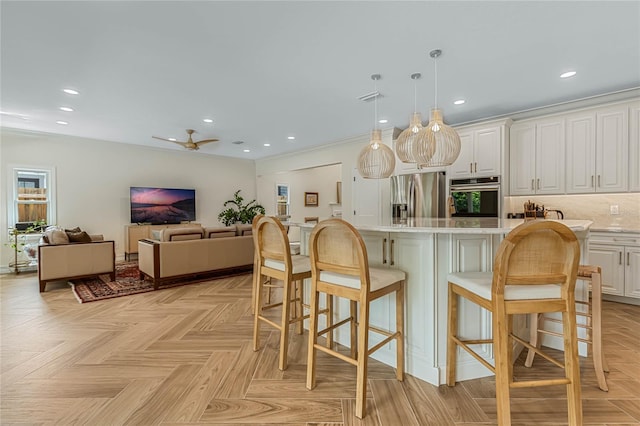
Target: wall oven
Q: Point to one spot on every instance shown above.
(475, 197)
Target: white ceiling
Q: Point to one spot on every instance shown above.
(266, 70)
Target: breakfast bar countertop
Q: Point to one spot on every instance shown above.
(465, 225)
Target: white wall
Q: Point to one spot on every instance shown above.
(344, 152)
(93, 179)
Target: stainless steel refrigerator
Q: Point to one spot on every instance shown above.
(418, 195)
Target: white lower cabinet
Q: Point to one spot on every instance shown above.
(618, 254)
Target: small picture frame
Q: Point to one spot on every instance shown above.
(311, 199)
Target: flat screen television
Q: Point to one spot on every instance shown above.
(162, 205)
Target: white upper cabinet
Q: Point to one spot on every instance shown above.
(480, 152)
(581, 152)
(612, 149)
(634, 147)
(597, 149)
(537, 157)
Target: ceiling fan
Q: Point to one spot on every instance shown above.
(189, 144)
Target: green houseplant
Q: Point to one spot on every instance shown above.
(237, 211)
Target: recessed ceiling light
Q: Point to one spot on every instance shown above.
(459, 102)
(568, 74)
(383, 121)
(246, 150)
(267, 144)
(237, 142)
(172, 139)
(63, 123)
(291, 137)
(207, 120)
(71, 91)
(66, 109)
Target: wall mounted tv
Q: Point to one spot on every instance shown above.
(162, 205)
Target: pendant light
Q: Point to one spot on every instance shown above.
(439, 144)
(406, 143)
(376, 160)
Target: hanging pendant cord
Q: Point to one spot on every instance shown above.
(415, 96)
(375, 105)
(435, 66)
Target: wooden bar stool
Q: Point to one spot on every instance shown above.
(535, 270)
(339, 267)
(592, 274)
(274, 261)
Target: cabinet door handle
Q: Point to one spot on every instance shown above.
(475, 166)
(470, 167)
(628, 258)
(628, 240)
(599, 186)
(384, 251)
(538, 184)
(532, 181)
(592, 181)
(392, 260)
(620, 258)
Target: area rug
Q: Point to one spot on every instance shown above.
(127, 282)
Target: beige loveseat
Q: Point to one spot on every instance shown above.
(187, 252)
(62, 259)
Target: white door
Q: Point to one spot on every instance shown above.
(612, 149)
(522, 144)
(632, 272)
(487, 152)
(581, 153)
(609, 258)
(367, 206)
(550, 163)
(634, 148)
(463, 166)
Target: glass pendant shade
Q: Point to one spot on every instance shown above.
(376, 160)
(406, 143)
(439, 144)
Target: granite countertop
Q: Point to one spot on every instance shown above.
(618, 229)
(458, 225)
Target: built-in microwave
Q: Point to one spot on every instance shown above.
(475, 197)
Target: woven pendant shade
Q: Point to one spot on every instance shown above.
(439, 144)
(407, 142)
(376, 160)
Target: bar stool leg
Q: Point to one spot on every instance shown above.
(258, 286)
(599, 361)
(452, 325)
(502, 350)
(572, 366)
(400, 331)
(534, 325)
(363, 357)
(313, 339)
(284, 329)
(353, 311)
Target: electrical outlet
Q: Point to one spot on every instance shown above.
(613, 209)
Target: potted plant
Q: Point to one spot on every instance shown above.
(238, 211)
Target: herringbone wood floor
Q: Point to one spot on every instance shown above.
(184, 356)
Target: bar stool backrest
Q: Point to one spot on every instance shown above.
(271, 241)
(534, 253)
(337, 248)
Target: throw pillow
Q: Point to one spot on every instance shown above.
(78, 237)
(76, 229)
(58, 237)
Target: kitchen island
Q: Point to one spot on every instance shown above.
(428, 250)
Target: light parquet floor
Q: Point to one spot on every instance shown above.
(183, 356)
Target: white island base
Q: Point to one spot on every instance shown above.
(428, 250)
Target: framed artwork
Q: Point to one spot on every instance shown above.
(311, 199)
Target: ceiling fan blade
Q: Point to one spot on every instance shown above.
(202, 142)
(168, 140)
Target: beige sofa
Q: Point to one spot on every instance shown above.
(66, 261)
(187, 252)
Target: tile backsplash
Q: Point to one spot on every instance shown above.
(595, 207)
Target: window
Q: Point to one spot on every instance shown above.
(33, 195)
